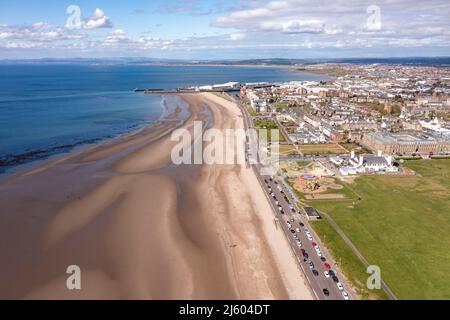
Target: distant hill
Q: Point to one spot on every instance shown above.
(435, 61)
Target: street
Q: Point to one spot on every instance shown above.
(324, 288)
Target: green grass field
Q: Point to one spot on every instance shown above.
(312, 149)
(401, 224)
(347, 261)
(269, 125)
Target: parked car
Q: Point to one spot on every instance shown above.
(335, 279)
(326, 292)
(340, 286)
(345, 295)
(315, 272)
(327, 274)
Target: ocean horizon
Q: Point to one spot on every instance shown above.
(51, 109)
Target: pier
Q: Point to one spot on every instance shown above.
(228, 87)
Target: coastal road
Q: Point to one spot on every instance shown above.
(292, 215)
(318, 282)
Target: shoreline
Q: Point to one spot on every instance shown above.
(80, 146)
(114, 207)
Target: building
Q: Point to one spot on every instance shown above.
(406, 143)
(434, 125)
(312, 213)
(337, 160)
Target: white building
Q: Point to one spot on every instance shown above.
(373, 164)
(434, 125)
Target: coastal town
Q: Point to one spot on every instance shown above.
(363, 120)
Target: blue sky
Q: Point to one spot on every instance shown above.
(220, 29)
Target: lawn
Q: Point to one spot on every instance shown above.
(402, 224)
(355, 147)
(269, 125)
(311, 149)
(347, 261)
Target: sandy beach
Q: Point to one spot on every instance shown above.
(140, 227)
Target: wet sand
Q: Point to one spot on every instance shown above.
(140, 227)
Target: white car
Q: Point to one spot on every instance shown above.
(327, 274)
(340, 286)
(309, 237)
(297, 230)
(345, 295)
(299, 244)
(319, 254)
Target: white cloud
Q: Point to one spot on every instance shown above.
(97, 20)
(293, 26)
(260, 27)
(236, 36)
